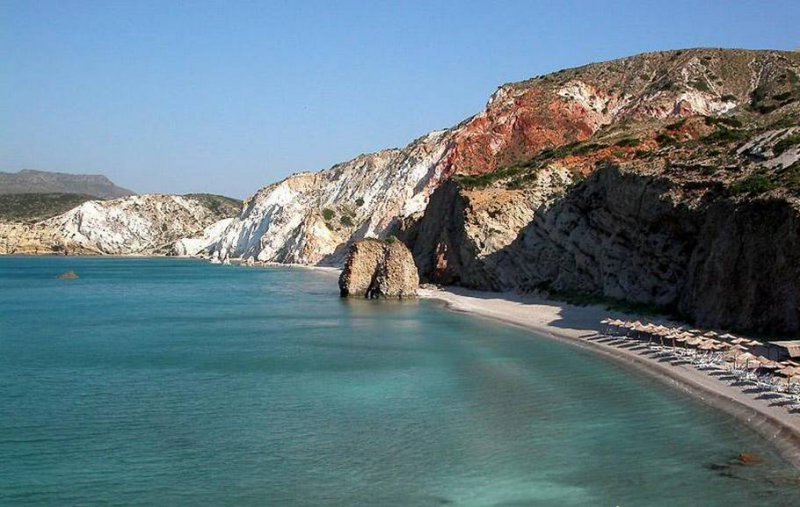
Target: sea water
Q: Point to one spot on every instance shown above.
(176, 382)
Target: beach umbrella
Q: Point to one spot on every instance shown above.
(710, 334)
(727, 336)
(752, 364)
(746, 357)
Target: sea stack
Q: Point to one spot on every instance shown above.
(377, 269)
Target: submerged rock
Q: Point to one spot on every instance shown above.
(379, 269)
(69, 275)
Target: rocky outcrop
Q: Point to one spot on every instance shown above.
(135, 225)
(69, 275)
(310, 218)
(378, 269)
(716, 257)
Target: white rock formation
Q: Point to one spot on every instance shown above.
(134, 225)
(308, 218)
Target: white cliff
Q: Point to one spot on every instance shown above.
(134, 225)
(309, 218)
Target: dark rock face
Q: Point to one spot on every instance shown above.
(720, 260)
(376, 269)
(744, 271)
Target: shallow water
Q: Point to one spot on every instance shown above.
(175, 382)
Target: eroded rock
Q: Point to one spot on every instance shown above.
(379, 269)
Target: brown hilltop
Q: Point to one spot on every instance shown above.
(522, 119)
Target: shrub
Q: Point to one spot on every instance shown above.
(665, 139)
(628, 142)
(346, 221)
(327, 214)
(725, 135)
(700, 84)
(755, 184)
(792, 177)
(677, 125)
(786, 143)
(359, 202)
(722, 120)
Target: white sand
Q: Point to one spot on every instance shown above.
(580, 326)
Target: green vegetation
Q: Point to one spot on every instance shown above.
(755, 184)
(392, 239)
(359, 202)
(786, 143)
(628, 142)
(725, 135)
(30, 208)
(791, 177)
(346, 221)
(728, 121)
(677, 125)
(666, 139)
(523, 181)
(328, 214)
(701, 85)
(224, 207)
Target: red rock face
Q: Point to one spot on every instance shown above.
(513, 130)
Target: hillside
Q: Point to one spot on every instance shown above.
(134, 225)
(29, 181)
(665, 179)
(29, 208)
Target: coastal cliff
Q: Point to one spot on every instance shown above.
(665, 179)
(134, 225)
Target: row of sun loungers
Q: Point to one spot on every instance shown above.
(735, 356)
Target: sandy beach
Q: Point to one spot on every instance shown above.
(580, 326)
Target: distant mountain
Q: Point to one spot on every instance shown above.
(43, 182)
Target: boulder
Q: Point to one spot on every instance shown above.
(379, 269)
(69, 275)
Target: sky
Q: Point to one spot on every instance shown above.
(229, 96)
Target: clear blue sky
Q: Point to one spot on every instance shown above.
(184, 96)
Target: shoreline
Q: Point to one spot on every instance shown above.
(573, 325)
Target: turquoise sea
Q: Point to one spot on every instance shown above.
(176, 382)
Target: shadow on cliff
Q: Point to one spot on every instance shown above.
(686, 247)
